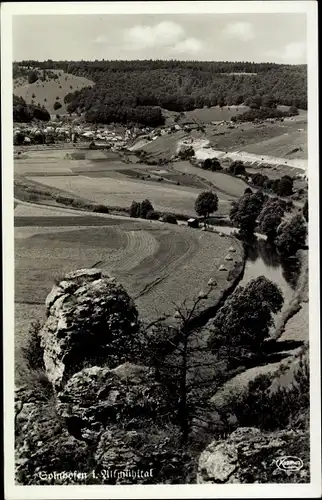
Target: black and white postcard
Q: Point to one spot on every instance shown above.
(161, 249)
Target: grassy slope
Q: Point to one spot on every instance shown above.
(229, 188)
(157, 263)
(215, 113)
(278, 139)
(290, 145)
(50, 90)
(275, 139)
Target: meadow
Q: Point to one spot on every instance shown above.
(102, 177)
(214, 113)
(46, 92)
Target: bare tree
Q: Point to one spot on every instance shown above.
(178, 350)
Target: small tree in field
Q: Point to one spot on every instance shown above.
(135, 209)
(206, 204)
(32, 77)
(291, 236)
(145, 208)
(57, 105)
(241, 326)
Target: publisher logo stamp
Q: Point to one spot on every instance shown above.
(289, 463)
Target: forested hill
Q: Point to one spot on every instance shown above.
(130, 90)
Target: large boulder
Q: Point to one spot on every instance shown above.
(251, 456)
(98, 397)
(143, 456)
(41, 438)
(91, 320)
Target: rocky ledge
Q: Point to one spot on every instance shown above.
(251, 456)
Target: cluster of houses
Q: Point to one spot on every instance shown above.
(54, 132)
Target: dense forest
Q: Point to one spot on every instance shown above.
(23, 112)
(129, 90)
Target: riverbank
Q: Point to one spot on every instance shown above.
(294, 324)
(291, 335)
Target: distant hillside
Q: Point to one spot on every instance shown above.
(134, 91)
(46, 92)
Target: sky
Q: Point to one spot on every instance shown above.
(278, 37)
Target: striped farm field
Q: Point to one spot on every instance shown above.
(158, 263)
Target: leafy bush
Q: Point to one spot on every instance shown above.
(169, 218)
(135, 209)
(237, 168)
(234, 332)
(145, 207)
(271, 216)
(153, 215)
(186, 153)
(57, 105)
(285, 187)
(211, 164)
(245, 211)
(33, 352)
(269, 409)
(32, 77)
(101, 209)
(291, 235)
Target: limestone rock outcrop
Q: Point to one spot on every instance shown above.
(43, 445)
(251, 456)
(97, 397)
(154, 453)
(90, 320)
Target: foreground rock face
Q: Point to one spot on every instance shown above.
(102, 420)
(43, 445)
(91, 320)
(98, 397)
(249, 456)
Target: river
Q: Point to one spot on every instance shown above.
(263, 260)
